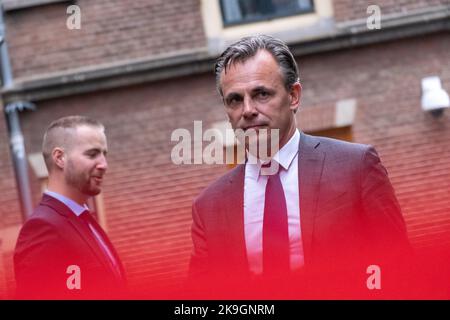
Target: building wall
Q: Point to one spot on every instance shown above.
(111, 31)
(147, 198)
(10, 213)
(10, 208)
(385, 80)
(347, 10)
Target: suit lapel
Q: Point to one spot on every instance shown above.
(79, 226)
(110, 246)
(310, 166)
(234, 212)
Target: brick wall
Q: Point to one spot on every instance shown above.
(147, 198)
(10, 213)
(346, 10)
(111, 31)
(9, 202)
(385, 80)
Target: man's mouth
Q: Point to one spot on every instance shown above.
(255, 127)
(98, 179)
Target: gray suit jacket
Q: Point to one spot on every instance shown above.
(350, 217)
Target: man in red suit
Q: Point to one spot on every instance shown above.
(318, 223)
(62, 252)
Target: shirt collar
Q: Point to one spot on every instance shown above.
(73, 206)
(284, 156)
(288, 152)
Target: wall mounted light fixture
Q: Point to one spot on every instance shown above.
(434, 98)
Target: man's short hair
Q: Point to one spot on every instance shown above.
(56, 134)
(247, 47)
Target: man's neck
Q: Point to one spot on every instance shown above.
(264, 158)
(67, 192)
(289, 134)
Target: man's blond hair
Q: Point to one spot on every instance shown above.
(58, 134)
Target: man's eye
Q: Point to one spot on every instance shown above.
(263, 94)
(233, 101)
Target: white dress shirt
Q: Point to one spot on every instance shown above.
(254, 196)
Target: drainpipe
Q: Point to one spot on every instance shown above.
(15, 133)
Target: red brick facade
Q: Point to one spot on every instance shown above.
(111, 31)
(10, 208)
(147, 198)
(10, 215)
(385, 80)
(347, 10)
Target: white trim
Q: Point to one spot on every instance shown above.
(22, 4)
(37, 163)
(100, 209)
(290, 29)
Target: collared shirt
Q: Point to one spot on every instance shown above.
(73, 206)
(78, 210)
(254, 196)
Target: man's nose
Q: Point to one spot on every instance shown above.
(249, 108)
(102, 164)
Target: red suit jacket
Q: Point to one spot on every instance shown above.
(53, 239)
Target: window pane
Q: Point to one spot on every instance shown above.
(241, 11)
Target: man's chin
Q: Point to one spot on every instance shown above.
(92, 192)
(261, 148)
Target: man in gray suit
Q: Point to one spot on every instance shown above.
(319, 222)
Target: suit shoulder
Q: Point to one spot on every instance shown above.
(343, 145)
(221, 185)
(341, 149)
(42, 224)
(44, 215)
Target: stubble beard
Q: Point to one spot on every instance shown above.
(81, 181)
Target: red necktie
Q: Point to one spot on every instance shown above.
(276, 251)
(94, 227)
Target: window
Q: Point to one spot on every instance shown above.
(343, 133)
(246, 11)
(22, 4)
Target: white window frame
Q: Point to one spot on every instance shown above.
(9, 5)
(266, 17)
(290, 29)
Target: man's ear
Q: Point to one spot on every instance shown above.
(295, 95)
(59, 157)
